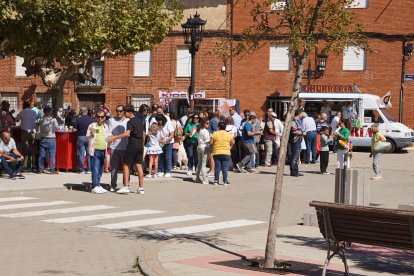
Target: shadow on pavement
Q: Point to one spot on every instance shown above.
(84, 187)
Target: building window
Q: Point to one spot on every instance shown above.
(278, 6)
(354, 62)
(183, 62)
(140, 99)
(357, 4)
(20, 70)
(143, 64)
(44, 98)
(97, 73)
(279, 57)
(12, 98)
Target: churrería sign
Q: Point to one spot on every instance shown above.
(329, 89)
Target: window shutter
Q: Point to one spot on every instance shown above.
(143, 62)
(279, 57)
(20, 70)
(183, 62)
(357, 4)
(352, 61)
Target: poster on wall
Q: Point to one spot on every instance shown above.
(182, 94)
(224, 106)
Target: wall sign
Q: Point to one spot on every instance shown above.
(409, 77)
(328, 89)
(182, 94)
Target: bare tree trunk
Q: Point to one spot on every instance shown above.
(274, 214)
(57, 98)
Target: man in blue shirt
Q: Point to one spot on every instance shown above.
(81, 126)
(35, 109)
(238, 141)
(248, 144)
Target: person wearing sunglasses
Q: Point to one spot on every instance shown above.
(97, 149)
(190, 132)
(117, 126)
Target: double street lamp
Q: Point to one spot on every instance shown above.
(320, 70)
(193, 35)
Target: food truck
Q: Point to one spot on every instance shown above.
(365, 110)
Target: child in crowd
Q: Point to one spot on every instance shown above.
(154, 149)
(324, 150)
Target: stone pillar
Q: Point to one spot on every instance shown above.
(357, 189)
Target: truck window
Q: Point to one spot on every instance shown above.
(388, 115)
(372, 116)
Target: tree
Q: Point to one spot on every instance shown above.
(58, 38)
(303, 24)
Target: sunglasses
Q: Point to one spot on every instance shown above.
(119, 111)
(101, 117)
(196, 118)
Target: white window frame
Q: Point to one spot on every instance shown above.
(143, 64)
(278, 6)
(20, 70)
(12, 98)
(138, 99)
(280, 58)
(359, 4)
(352, 61)
(183, 61)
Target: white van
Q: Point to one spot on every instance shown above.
(371, 111)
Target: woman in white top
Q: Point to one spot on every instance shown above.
(203, 151)
(230, 127)
(177, 130)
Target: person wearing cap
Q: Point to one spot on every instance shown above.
(248, 144)
(47, 127)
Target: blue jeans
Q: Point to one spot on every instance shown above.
(311, 140)
(7, 168)
(97, 166)
(334, 143)
(164, 159)
(221, 164)
(275, 155)
(295, 151)
(82, 144)
(174, 157)
(47, 149)
(192, 156)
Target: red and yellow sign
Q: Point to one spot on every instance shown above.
(328, 89)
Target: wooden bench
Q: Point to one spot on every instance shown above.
(341, 225)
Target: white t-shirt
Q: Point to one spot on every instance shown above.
(326, 110)
(279, 126)
(165, 132)
(203, 138)
(345, 112)
(335, 122)
(232, 129)
(7, 148)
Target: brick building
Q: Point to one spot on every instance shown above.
(255, 80)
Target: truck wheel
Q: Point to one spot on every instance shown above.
(393, 147)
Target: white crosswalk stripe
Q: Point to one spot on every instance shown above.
(31, 205)
(104, 216)
(204, 227)
(17, 198)
(147, 222)
(57, 211)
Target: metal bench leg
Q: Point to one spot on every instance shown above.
(343, 257)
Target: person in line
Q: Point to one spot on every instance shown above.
(167, 141)
(81, 126)
(322, 123)
(335, 127)
(256, 156)
(97, 148)
(159, 112)
(178, 132)
(324, 150)
(135, 149)
(222, 141)
(28, 127)
(7, 120)
(295, 140)
(231, 128)
(248, 144)
(269, 135)
(212, 127)
(342, 135)
(191, 133)
(154, 149)
(117, 126)
(187, 115)
(279, 129)
(344, 110)
(9, 152)
(203, 151)
(47, 128)
(326, 109)
(239, 141)
(40, 113)
(310, 134)
(376, 137)
(218, 117)
(142, 114)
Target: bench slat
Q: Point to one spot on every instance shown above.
(369, 214)
(339, 231)
(346, 236)
(339, 217)
(373, 229)
(385, 226)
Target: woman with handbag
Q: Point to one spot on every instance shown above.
(191, 143)
(342, 136)
(376, 152)
(178, 136)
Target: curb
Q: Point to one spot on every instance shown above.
(148, 262)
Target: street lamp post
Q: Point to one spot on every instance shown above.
(320, 70)
(193, 35)
(407, 51)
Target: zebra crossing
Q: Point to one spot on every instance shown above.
(104, 219)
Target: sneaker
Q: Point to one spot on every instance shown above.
(155, 176)
(327, 173)
(240, 168)
(210, 174)
(81, 172)
(149, 176)
(103, 190)
(20, 176)
(198, 181)
(112, 189)
(205, 181)
(175, 168)
(140, 191)
(47, 171)
(300, 174)
(269, 166)
(190, 173)
(167, 175)
(253, 169)
(216, 182)
(39, 172)
(226, 183)
(160, 174)
(313, 162)
(106, 171)
(13, 178)
(123, 190)
(88, 172)
(96, 190)
(249, 170)
(54, 172)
